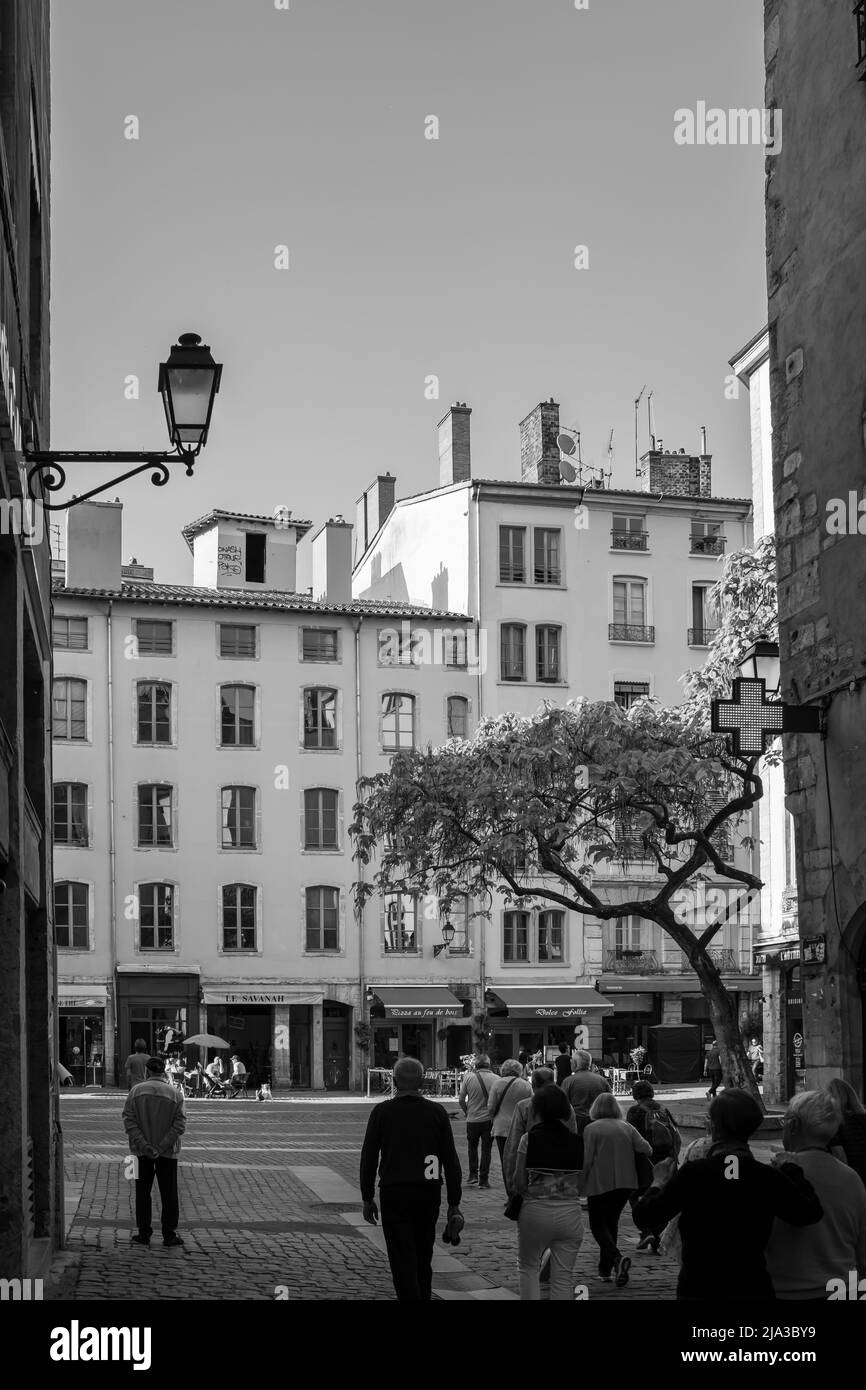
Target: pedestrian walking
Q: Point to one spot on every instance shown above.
(473, 1101)
(154, 1120)
(547, 1176)
(755, 1054)
(506, 1090)
(582, 1088)
(562, 1064)
(804, 1262)
(655, 1123)
(135, 1066)
(522, 1120)
(409, 1141)
(713, 1068)
(609, 1175)
(727, 1203)
(851, 1137)
(525, 1061)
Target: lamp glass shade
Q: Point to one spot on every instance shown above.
(448, 933)
(761, 662)
(188, 383)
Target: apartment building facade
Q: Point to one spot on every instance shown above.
(573, 591)
(208, 742)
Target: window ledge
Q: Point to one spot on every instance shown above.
(163, 849)
(239, 849)
(303, 749)
(313, 850)
(335, 954)
(527, 584)
(537, 685)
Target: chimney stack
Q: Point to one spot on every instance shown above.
(454, 457)
(332, 562)
(677, 474)
(539, 451)
(372, 510)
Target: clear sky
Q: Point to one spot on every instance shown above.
(407, 257)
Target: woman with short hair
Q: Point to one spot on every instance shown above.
(609, 1176)
(547, 1177)
(506, 1090)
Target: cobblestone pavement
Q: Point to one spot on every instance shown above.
(254, 1222)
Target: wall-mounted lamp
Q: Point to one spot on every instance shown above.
(448, 934)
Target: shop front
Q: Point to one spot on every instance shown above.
(82, 1032)
(161, 1009)
(277, 1033)
(626, 1028)
(536, 1019)
(419, 1021)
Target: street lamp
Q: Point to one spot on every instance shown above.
(448, 934)
(188, 382)
(750, 717)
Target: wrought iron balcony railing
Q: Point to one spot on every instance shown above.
(630, 632)
(632, 962)
(629, 540)
(701, 636)
(707, 545)
(860, 19)
(725, 960)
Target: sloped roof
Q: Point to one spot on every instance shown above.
(204, 523)
(138, 591)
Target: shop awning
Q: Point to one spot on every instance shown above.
(75, 996)
(260, 994)
(675, 984)
(419, 1002)
(550, 1001)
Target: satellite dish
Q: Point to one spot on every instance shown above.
(566, 444)
(567, 471)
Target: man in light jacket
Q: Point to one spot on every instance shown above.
(474, 1096)
(154, 1120)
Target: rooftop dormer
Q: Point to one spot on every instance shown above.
(236, 550)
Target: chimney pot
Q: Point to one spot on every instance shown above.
(455, 462)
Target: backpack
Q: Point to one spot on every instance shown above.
(662, 1134)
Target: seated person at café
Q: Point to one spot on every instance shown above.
(214, 1077)
(238, 1076)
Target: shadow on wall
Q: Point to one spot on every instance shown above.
(439, 589)
(391, 585)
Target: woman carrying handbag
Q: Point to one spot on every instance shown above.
(547, 1200)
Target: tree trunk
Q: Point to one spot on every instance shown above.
(736, 1067)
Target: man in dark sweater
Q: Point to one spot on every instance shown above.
(727, 1203)
(409, 1139)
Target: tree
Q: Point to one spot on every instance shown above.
(508, 812)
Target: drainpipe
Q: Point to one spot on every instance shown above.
(482, 921)
(362, 1010)
(112, 874)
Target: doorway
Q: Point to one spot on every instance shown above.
(335, 1039)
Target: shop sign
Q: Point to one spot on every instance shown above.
(790, 953)
(794, 1000)
(560, 1013)
(814, 950)
(83, 1003)
(396, 1011)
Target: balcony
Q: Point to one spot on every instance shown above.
(701, 636)
(707, 545)
(632, 962)
(630, 632)
(725, 960)
(860, 19)
(629, 540)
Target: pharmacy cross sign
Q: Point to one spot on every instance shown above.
(750, 718)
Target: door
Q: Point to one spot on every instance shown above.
(335, 1040)
(418, 1042)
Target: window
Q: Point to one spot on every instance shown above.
(237, 639)
(625, 693)
(628, 532)
(239, 917)
(704, 617)
(320, 718)
(454, 649)
(154, 638)
(71, 916)
(515, 936)
(630, 612)
(69, 710)
(707, 538)
(547, 568)
(458, 716)
(155, 825)
(398, 722)
(154, 712)
(319, 644)
(69, 634)
(254, 557)
(458, 916)
(512, 557)
(628, 937)
(323, 919)
(237, 716)
(238, 817)
(155, 917)
(399, 648)
(549, 936)
(320, 818)
(513, 652)
(400, 914)
(70, 814)
(547, 667)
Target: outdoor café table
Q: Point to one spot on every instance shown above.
(385, 1077)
